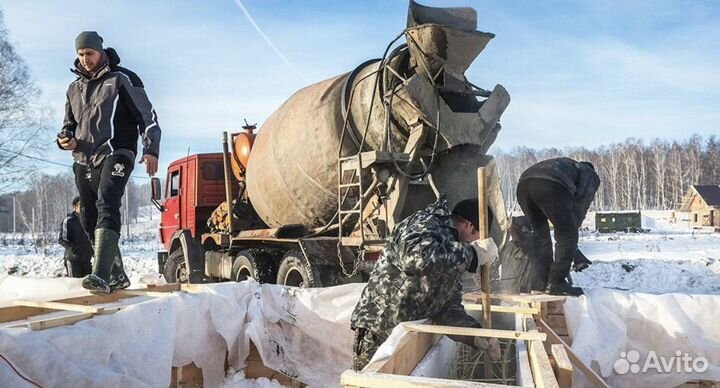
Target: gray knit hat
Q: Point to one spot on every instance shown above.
(89, 39)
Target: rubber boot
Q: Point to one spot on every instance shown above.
(118, 278)
(105, 247)
(580, 262)
(564, 288)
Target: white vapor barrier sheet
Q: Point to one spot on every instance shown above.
(635, 338)
(304, 333)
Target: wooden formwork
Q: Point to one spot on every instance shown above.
(544, 358)
(42, 315)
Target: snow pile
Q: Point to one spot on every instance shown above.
(302, 333)
(238, 380)
(625, 333)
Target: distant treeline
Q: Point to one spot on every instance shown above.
(633, 174)
(48, 199)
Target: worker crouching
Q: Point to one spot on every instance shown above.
(419, 276)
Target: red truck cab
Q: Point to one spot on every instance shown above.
(194, 187)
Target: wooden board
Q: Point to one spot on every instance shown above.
(17, 313)
(255, 369)
(188, 376)
(540, 363)
(58, 306)
(411, 349)
(381, 380)
(475, 332)
(563, 366)
(558, 323)
(523, 372)
(594, 378)
(501, 309)
(543, 375)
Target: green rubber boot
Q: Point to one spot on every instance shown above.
(118, 278)
(106, 246)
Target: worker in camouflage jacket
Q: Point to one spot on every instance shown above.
(419, 276)
(559, 190)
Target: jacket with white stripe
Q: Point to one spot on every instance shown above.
(107, 111)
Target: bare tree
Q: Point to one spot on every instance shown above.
(22, 120)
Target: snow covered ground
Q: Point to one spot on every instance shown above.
(20, 257)
(671, 258)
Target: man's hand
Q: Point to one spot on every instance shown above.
(489, 345)
(67, 143)
(151, 164)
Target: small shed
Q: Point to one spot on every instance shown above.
(702, 202)
(621, 221)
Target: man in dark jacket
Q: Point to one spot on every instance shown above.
(419, 276)
(559, 190)
(105, 113)
(77, 246)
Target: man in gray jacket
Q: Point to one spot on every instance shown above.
(106, 112)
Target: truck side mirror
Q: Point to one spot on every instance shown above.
(156, 192)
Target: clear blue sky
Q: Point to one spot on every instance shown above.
(579, 72)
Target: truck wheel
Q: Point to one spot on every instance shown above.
(256, 264)
(175, 270)
(293, 271)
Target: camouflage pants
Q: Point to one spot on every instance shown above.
(364, 347)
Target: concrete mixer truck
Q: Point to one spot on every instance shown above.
(314, 192)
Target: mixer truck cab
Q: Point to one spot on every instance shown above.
(331, 172)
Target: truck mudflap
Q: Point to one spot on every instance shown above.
(193, 253)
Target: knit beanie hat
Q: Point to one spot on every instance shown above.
(89, 39)
(468, 209)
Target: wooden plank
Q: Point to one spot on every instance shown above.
(188, 376)
(58, 306)
(57, 321)
(555, 307)
(523, 372)
(411, 349)
(17, 313)
(382, 380)
(484, 232)
(594, 378)
(255, 368)
(502, 309)
(476, 296)
(475, 332)
(152, 294)
(558, 324)
(540, 364)
(564, 368)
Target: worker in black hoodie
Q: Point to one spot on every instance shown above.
(559, 190)
(78, 253)
(106, 112)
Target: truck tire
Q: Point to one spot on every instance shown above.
(175, 270)
(295, 271)
(256, 264)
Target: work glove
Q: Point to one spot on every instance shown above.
(490, 345)
(486, 252)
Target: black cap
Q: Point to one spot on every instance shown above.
(468, 209)
(89, 39)
(76, 201)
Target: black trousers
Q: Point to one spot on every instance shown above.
(78, 269)
(101, 190)
(542, 200)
